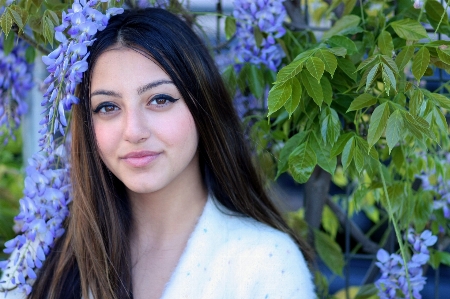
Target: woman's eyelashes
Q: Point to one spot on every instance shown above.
(161, 100)
(105, 108)
(158, 101)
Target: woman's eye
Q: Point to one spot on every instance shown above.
(106, 108)
(162, 100)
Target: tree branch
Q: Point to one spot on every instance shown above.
(29, 40)
(367, 244)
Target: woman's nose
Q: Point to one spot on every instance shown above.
(136, 126)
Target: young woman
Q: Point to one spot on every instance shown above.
(166, 201)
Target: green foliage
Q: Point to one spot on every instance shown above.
(354, 105)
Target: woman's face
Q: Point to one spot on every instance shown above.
(145, 132)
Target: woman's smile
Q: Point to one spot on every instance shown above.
(140, 158)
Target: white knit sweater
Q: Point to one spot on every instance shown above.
(235, 257)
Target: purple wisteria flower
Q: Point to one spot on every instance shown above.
(153, 3)
(440, 186)
(268, 17)
(393, 282)
(15, 83)
(47, 192)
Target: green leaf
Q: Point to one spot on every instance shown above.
(330, 222)
(315, 66)
(287, 149)
(367, 62)
(326, 90)
(8, 44)
(398, 157)
(338, 51)
(278, 96)
(347, 67)
(302, 162)
(441, 100)
(330, 127)
(324, 158)
(404, 57)
(434, 14)
(258, 35)
(338, 147)
(394, 129)
(444, 257)
(329, 251)
(48, 30)
(359, 158)
(256, 81)
(444, 56)
(420, 63)
(391, 63)
(16, 16)
(371, 76)
(378, 122)
(416, 125)
(440, 120)
(390, 75)
(362, 143)
(230, 27)
(416, 101)
(348, 153)
(367, 291)
(229, 76)
(30, 54)
(6, 22)
(291, 70)
(409, 29)
(313, 87)
(341, 25)
(385, 43)
(345, 42)
(328, 59)
(362, 101)
(296, 95)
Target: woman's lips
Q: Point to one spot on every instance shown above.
(140, 159)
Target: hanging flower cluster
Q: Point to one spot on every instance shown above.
(153, 3)
(15, 83)
(393, 282)
(47, 187)
(441, 187)
(267, 16)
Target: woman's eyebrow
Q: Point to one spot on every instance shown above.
(151, 85)
(141, 89)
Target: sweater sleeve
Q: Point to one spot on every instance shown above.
(275, 269)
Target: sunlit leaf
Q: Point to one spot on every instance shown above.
(420, 63)
(409, 29)
(278, 96)
(371, 76)
(302, 162)
(313, 87)
(295, 97)
(362, 101)
(385, 43)
(394, 129)
(315, 66)
(338, 147)
(324, 158)
(345, 42)
(328, 59)
(287, 149)
(230, 27)
(6, 22)
(348, 153)
(378, 123)
(366, 62)
(289, 71)
(341, 25)
(404, 57)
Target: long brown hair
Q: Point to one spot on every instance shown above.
(92, 255)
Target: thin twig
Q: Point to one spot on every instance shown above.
(31, 41)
